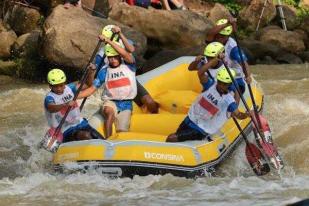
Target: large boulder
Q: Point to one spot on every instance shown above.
(249, 16)
(2, 26)
(27, 44)
(288, 58)
(8, 68)
(287, 40)
(7, 40)
(23, 19)
(305, 56)
(304, 37)
(172, 29)
(200, 7)
(258, 50)
(69, 38)
(95, 7)
(168, 55)
(218, 12)
(99, 7)
(305, 25)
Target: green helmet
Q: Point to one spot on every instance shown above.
(56, 76)
(227, 30)
(108, 33)
(223, 75)
(109, 51)
(213, 49)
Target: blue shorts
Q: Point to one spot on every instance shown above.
(84, 126)
(187, 130)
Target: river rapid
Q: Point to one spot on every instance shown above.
(26, 177)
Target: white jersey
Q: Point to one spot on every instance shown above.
(209, 111)
(73, 118)
(230, 44)
(120, 84)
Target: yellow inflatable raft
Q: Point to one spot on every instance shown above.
(143, 150)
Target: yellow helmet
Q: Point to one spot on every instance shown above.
(213, 49)
(108, 33)
(56, 76)
(227, 30)
(223, 75)
(109, 51)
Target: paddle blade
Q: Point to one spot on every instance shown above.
(256, 160)
(273, 156)
(265, 129)
(267, 145)
(51, 140)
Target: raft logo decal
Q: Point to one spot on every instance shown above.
(161, 156)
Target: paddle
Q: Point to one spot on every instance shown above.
(254, 155)
(267, 146)
(53, 137)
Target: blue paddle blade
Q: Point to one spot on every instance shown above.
(256, 160)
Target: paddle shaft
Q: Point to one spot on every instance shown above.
(82, 82)
(241, 96)
(240, 129)
(244, 67)
(245, 137)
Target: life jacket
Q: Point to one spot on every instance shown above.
(73, 118)
(209, 111)
(120, 84)
(229, 45)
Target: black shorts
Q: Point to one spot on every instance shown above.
(141, 92)
(185, 132)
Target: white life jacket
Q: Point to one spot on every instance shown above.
(229, 45)
(120, 84)
(73, 118)
(209, 111)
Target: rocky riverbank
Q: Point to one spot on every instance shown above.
(39, 34)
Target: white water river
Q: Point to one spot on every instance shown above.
(26, 177)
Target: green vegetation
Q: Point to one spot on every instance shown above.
(288, 2)
(230, 5)
(302, 13)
